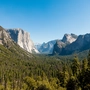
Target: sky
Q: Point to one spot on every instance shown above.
(46, 20)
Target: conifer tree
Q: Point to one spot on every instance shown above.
(88, 58)
(72, 84)
(75, 66)
(84, 65)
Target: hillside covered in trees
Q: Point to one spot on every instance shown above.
(39, 72)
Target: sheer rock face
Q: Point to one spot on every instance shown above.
(80, 44)
(56, 45)
(69, 38)
(5, 38)
(59, 47)
(22, 38)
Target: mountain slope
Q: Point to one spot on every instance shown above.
(61, 44)
(46, 48)
(22, 38)
(5, 38)
(69, 38)
(80, 44)
(58, 47)
(9, 48)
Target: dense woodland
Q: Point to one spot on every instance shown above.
(40, 72)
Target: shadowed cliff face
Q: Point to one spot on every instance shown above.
(56, 45)
(69, 38)
(8, 48)
(22, 38)
(61, 44)
(5, 38)
(80, 44)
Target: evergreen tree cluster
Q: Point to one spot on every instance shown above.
(19, 72)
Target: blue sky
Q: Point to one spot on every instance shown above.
(46, 20)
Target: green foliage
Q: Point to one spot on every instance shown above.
(42, 87)
(1, 87)
(89, 59)
(87, 87)
(72, 84)
(84, 65)
(63, 78)
(75, 66)
(84, 79)
(21, 70)
(31, 84)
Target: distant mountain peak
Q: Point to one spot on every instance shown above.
(46, 48)
(69, 38)
(81, 43)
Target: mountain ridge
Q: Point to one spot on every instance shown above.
(47, 48)
(69, 44)
(22, 38)
(9, 48)
(80, 44)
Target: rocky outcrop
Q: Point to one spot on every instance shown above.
(69, 38)
(60, 45)
(5, 38)
(80, 44)
(22, 38)
(56, 46)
